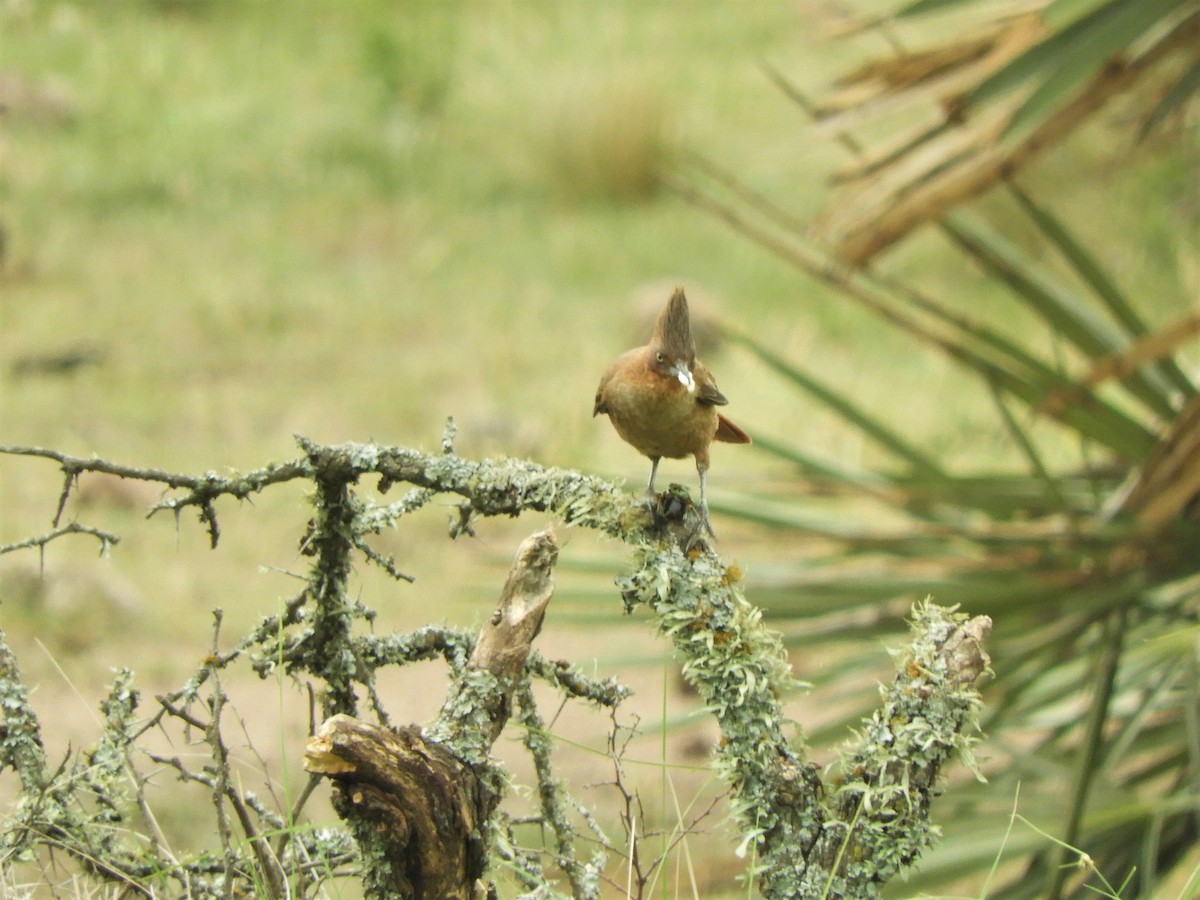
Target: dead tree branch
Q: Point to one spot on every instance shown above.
(421, 802)
(416, 802)
(106, 538)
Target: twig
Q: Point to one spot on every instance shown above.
(387, 563)
(738, 666)
(107, 538)
(221, 768)
(202, 489)
(584, 878)
(571, 680)
(294, 814)
(181, 713)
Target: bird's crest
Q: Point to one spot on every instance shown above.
(673, 331)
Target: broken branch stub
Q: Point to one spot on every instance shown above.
(479, 700)
(413, 808)
(416, 800)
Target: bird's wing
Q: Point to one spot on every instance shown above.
(600, 405)
(706, 386)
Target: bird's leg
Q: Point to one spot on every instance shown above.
(651, 498)
(704, 501)
(653, 471)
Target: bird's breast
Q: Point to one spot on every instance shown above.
(657, 414)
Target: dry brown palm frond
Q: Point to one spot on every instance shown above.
(1167, 485)
(1152, 348)
(938, 76)
(959, 149)
(1145, 351)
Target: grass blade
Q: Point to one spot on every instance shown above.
(1068, 53)
(1065, 311)
(868, 424)
(1088, 269)
(1187, 85)
(1078, 408)
(871, 483)
(1081, 50)
(1060, 13)
(1089, 754)
(1029, 449)
(924, 7)
(1002, 362)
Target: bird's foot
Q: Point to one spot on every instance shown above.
(701, 535)
(697, 540)
(673, 511)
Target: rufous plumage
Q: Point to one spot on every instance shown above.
(663, 401)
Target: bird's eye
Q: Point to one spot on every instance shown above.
(660, 357)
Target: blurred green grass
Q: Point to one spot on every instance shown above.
(351, 221)
(241, 201)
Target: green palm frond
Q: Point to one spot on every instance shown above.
(1084, 548)
(1014, 80)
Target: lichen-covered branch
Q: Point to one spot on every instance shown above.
(812, 835)
(879, 809)
(740, 669)
(20, 734)
(326, 649)
(106, 538)
(554, 801)
(416, 801)
(571, 681)
(501, 487)
(814, 838)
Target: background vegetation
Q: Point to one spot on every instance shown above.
(355, 220)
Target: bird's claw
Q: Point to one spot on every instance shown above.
(673, 509)
(697, 540)
(702, 535)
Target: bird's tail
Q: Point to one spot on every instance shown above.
(730, 433)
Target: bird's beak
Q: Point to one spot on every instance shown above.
(684, 376)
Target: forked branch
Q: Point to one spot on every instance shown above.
(421, 801)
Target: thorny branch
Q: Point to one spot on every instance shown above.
(202, 490)
(555, 801)
(106, 538)
(640, 873)
(842, 837)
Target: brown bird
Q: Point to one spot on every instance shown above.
(663, 400)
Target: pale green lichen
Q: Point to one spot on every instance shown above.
(374, 519)
(807, 842)
(574, 683)
(464, 724)
(110, 754)
(20, 734)
(879, 816)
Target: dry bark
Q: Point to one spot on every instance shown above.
(416, 800)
